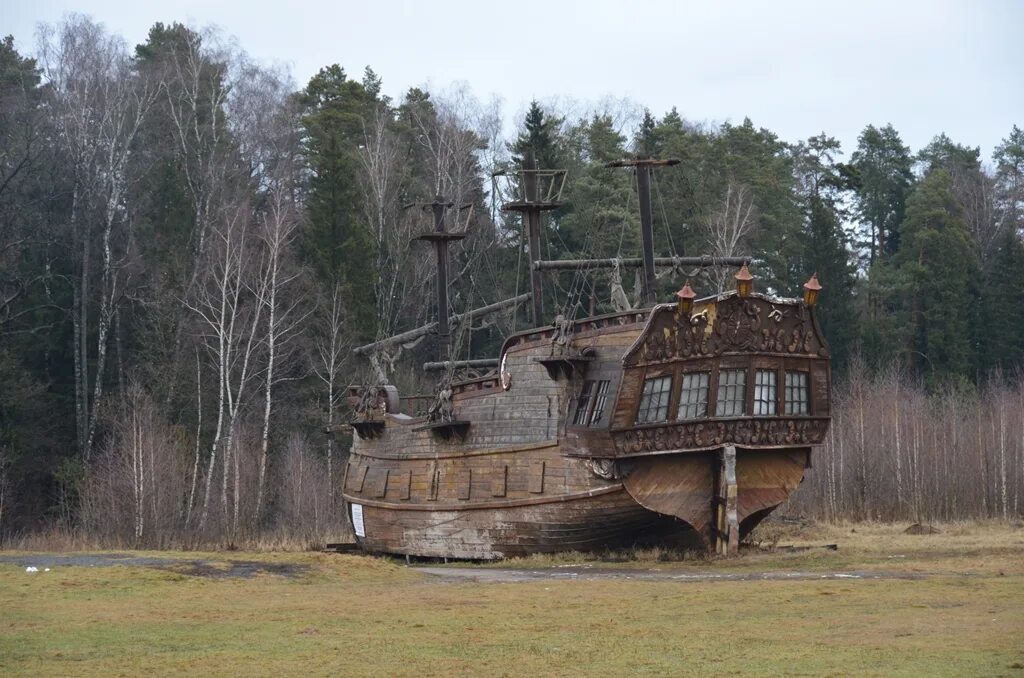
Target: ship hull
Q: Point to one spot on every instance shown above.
(666, 500)
(610, 519)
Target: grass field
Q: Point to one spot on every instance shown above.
(318, 614)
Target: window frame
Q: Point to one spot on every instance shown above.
(771, 404)
(666, 392)
(744, 395)
(683, 404)
(596, 417)
(806, 388)
(583, 403)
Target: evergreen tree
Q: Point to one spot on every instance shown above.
(1001, 341)
(939, 268)
(1009, 158)
(337, 241)
(943, 153)
(672, 122)
(972, 187)
(603, 219)
(540, 132)
(881, 171)
(36, 405)
(645, 141)
(825, 243)
(167, 211)
(372, 84)
(756, 158)
(689, 191)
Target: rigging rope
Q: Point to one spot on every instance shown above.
(664, 214)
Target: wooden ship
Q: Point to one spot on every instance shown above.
(694, 418)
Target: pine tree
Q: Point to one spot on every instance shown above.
(939, 266)
(756, 158)
(540, 132)
(825, 243)
(167, 213)
(1001, 343)
(337, 241)
(688, 192)
(1009, 158)
(645, 141)
(881, 166)
(943, 153)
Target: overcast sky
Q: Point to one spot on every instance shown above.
(797, 68)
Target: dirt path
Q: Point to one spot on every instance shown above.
(199, 568)
(587, 573)
(228, 569)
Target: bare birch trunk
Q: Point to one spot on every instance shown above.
(984, 466)
(899, 452)
(103, 319)
(862, 454)
(1002, 460)
(82, 350)
(199, 432)
(271, 346)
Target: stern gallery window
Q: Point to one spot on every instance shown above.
(654, 400)
(765, 392)
(797, 393)
(732, 386)
(693, 400)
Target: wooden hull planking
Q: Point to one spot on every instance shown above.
(606, 520)
(541, 501)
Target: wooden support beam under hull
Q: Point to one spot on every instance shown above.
(690, 487)
(727, 527)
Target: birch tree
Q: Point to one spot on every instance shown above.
(332, 352)
(99, 104)
(729, 227)
(230, 325)
(382, 180)
(266, 124)
(190, 133)
(451, 132)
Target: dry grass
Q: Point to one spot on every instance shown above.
(63, 540)
(353, 616)
(986, 546)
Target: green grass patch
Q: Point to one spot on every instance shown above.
(362, 616)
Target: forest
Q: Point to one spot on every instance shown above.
(191, 245)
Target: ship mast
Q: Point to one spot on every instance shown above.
(541, 192)
(648, 261)
(531, 205)
(440, 237)
(643, 188)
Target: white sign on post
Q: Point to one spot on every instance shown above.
(357, 520)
